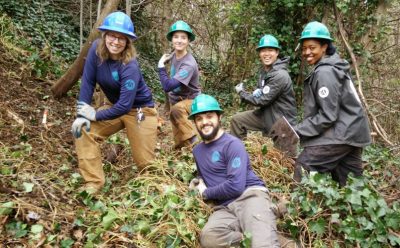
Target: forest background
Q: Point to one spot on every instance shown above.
(40, 42)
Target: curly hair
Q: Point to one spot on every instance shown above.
(127, 54)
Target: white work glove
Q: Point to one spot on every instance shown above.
(86, 111)
(164, 59)
(77, 126)
(198, 184)
(239, 88)
(257, 93)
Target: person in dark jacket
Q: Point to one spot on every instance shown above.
(274, 95)
(335, 127)
(111, 63)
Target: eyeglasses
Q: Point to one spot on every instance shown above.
(112, 37)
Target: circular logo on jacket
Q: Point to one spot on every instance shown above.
(130, 84)
(323, 92)
(236, 163)
(215, 156)
(266, 89)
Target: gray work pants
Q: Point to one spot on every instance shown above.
(246, 121)
(252, 213)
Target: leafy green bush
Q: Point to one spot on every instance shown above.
(44, 25)
(322, 213)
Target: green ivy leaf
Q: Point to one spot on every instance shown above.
(6, 208)
(264, 149)
(35, 229)
(318, 226)
(109, 218)
(28, 187)
(66, 243)
(142, 226)
(353, 197)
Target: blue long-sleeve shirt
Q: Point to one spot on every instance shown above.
(225, 168)
(167, 83)
(123, 85)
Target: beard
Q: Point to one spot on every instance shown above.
(211, 136)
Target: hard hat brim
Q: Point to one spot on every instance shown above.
(119, 30)
(191, 116)
(191, 36)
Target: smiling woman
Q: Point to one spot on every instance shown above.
(111, 63)
(182, 84)
(335, 127)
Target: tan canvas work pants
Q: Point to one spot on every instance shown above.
(182, 127)
(142, 139)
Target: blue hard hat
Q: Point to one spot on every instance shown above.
(119, 22)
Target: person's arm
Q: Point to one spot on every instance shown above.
(270, 92)
(130, 77)
(237, 161)
(168, 84)
(327, 89)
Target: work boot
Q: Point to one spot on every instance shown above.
(90, 189)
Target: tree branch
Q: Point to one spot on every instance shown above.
(375, 123)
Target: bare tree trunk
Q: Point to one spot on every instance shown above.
(90, 13)
(73, 74)
(167, 20)
(81, 26)
(98, 10)
(128, 7)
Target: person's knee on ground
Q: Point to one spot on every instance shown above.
(211, 238)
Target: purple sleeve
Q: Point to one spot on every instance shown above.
(167, 83)
(237, 161)
(130, 76)
(89, 76)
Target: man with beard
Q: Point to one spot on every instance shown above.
(242, 201)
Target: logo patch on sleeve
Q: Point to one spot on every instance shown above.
(115, 75)
(266, 89)
(183, 73)
(323, 92)
(236, 163)
(130, 84)
(215, 156)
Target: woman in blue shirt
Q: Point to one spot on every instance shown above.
(111, 63)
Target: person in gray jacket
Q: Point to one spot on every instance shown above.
(335, 127)
(274, 95)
